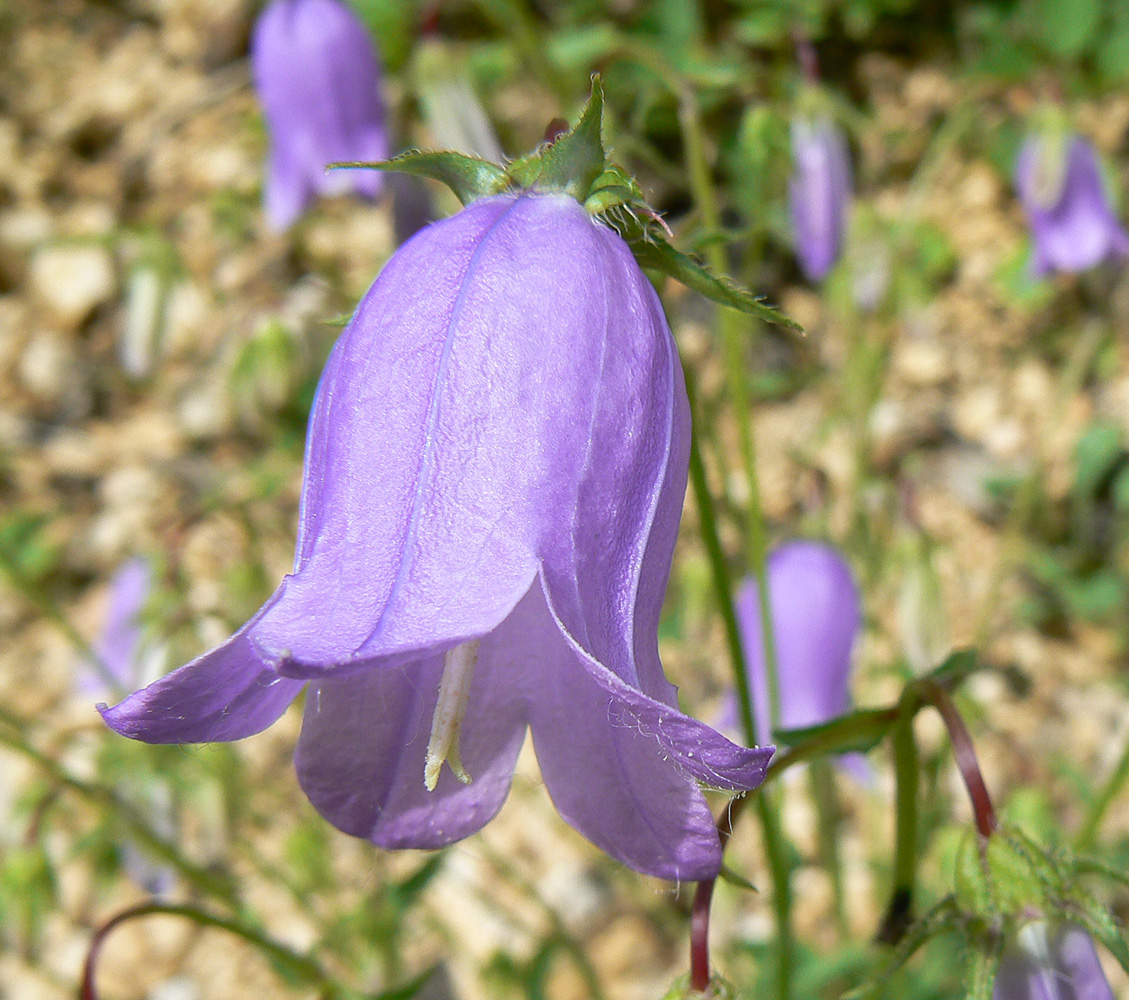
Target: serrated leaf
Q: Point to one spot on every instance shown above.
(468, 176)
(857, 731)
(577, 158)
(657, 254)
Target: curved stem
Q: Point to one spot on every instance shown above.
(298, 965)
(965, 754)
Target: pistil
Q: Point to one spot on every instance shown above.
(454, 692)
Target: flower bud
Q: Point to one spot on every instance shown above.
(819, 192)
(317, 75)
(1073, 227)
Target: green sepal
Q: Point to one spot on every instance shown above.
(576, 159)
(468, 176)
(860, 731)
(983, 964)
(1005, 877)
(718, 989)
(1094, 918)
(652, 251)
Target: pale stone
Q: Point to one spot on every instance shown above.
(72, 281)
(47, 366)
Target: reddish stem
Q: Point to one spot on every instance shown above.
(965, 755)
(700, 937)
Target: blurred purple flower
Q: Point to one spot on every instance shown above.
(118, 663)
(1073, 227)
(815, 618)
(495, 470)
(819, 192)
(1051, 963)
(317, 75)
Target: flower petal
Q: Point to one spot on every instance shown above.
(360, 759)
(607, 562)
(621, 767)
(226, 694)
(413, 546)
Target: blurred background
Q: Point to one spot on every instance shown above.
(954, 421)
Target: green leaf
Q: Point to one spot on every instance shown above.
(1113, 55)
(577, 158)
(860, 731)
(957, 666)
(468, 176)
(1066, 27)
(727, 874)
(1096, 454)
(657, 254)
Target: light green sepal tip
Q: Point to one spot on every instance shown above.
(468, 176)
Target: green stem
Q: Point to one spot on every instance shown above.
(733, 341)
(1087, 836)
(719, 573)
(830, 818)
(781, 871)
(899, 912)
(202, 879)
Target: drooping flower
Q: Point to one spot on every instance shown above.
(1073, 227)
(816, 616)
(318, 77)
(1051, 962)
(495, 470)
(819, 192)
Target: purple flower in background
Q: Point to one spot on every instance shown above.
(815, 618)
(120, 661)
(1073, 227)
(117, 649)
(494, 477)
(318, 78)
(819, 191)
(1055, 962)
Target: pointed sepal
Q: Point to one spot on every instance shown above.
(468, 176)
(655, 253)
(574, 161)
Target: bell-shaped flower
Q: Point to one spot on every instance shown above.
(1051, 962)
(816, 616)
(318, 78)
(1073, 227)
(819, 192)
(495, 471)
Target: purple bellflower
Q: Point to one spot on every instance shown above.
(318, 78)
(495, 470)
(819, 192)
(1073, 227)
(815, 618)
(1051, 962)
